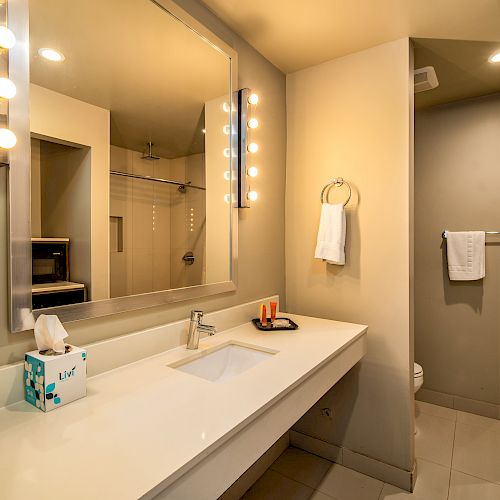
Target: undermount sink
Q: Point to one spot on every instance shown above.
(223, 362)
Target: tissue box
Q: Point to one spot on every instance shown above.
(53, 381)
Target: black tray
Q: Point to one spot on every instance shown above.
(269, 327)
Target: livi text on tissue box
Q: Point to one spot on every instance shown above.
(55, 380)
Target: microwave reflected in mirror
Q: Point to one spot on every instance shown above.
(128, 153)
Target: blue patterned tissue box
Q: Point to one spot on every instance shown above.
(53, 381)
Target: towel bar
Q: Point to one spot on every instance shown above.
(337, 182)
(444, 234)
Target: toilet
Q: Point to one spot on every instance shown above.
(418, 377)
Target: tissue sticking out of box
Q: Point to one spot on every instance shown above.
(50, 334)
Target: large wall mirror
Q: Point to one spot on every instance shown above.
(131, 137)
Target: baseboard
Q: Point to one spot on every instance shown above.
(361, 463)
(456, 402)
(316, 446)
(252, 475)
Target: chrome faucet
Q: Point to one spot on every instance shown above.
(195, 327)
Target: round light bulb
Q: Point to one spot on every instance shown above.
(253, 171)
(227, 175)
(227, 152)
(494, 58)
(253, 99)
(51, 54)
(252, 195)
(226, 129)
(253, 123)
(253, 147)
(7, 88)
(227, 198)
(226, 107)
(203, 130)
(7, 38)
(7, 138)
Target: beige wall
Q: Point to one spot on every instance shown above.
(65, 174)
(350, 117)
(457, 185)
(64, 119)
(261, 263)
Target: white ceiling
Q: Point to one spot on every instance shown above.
(295, 34)
(132, 58)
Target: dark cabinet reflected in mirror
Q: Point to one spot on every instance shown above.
(130, 152)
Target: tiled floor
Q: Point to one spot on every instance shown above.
(458, 458)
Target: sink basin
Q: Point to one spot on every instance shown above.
(224, 362)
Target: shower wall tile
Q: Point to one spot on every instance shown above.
(142, 271)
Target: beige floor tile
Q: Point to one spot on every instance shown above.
(465, 487)
(346, 484)
(434, 438)
(432, 484)
(272, 485)
(477, 452)
(472, 419)
(302, 466)
(435, 410)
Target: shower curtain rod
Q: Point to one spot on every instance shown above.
(157, 179)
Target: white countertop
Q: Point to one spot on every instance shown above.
(146, 422)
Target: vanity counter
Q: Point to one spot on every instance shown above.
(144, 425)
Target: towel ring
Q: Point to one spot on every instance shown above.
(337, 182)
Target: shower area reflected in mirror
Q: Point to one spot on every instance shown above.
(157, 221)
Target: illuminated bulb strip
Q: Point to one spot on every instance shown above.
(253, 147)
(7, 138)
(494, 58)
(252, 195)
(252, 171)
(253, 99)
(7, 88)
(253, 123)
(7, 38)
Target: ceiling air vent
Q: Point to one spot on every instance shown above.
(425, 79)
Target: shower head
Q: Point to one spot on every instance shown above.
(149, 155)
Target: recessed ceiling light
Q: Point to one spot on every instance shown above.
(495, 58)
(51, 54)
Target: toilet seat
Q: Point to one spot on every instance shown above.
(418, 377)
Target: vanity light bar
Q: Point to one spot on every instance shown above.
(7, 90)
(246, 99)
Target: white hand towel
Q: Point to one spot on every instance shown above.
(466, 255)
(331, 234)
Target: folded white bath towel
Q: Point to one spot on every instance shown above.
(466, 255)
(331, 234)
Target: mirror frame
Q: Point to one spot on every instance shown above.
(20, 264)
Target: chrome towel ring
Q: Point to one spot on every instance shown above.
(337, 182)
